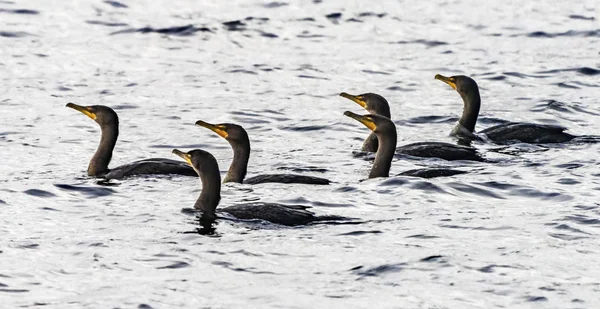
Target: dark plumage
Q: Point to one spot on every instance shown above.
(378, 105)
(374, 104)
(385, 130)
(108, 121)
(207, 168)
(440, 150)
(240, 143)
(432, 172)
(505, 133)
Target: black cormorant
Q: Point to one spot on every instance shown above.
(240, 143)
(207, 168)
(109, 125)
(506, 133)
(378, 105)
(385, 130)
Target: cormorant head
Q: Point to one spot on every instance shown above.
(372, 102)
(103, 115)
(464, 85)
(376, 123)
(233, 133)
(199, 159)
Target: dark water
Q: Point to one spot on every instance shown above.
(520, 233)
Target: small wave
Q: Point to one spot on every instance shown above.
(432, 119)
(234, 25)
(398, 88)
(360, 233)
(39, 193)
(334, 16)
(307, 35)
(376, 72)
(104, 23)
(490, 268)
(581, 17)
(87, 190)
(433, 258)
(304, 169)
(116, 4)
(20, 11)
(240, 269)
(581, 70)
(581, 219)
(427, 43)
(13, 34)
(274, 5)
(462, 187)
(536, 298)
(178, 30)
(312, 77)
(14, 290)
(371, 14)
(175, 265)
(570, 33)
(304, 128)
(378, 270)
(422, 236)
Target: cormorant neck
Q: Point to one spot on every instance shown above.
(99, 162)
(239, 165)
(211, 190)
(371, 144)
(385, 153)
(472, 102)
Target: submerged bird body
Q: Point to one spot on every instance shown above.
(440, 150)
(531, 133)
(240, 143)
(378, 105)
(506, 133)
(207, 168)
(289, 215)
(385, 130)
(108, 120)
(432, 172)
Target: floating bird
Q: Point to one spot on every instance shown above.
(108, 120)
(506, 133)
(378, 105)
(385, 130)
(240, 143)
(207, 168)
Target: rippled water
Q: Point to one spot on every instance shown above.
(520, 233)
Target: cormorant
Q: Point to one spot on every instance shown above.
(374, 104)
(108, 120)
(207, 168)
(506, 133)
(240, 143)
(385, 130)
(378, 105)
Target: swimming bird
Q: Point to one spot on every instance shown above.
(207, 168)
(505, 133)
(374, 104)
(240, 143)
(378, 105)
(385, 130)
(108, 120)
